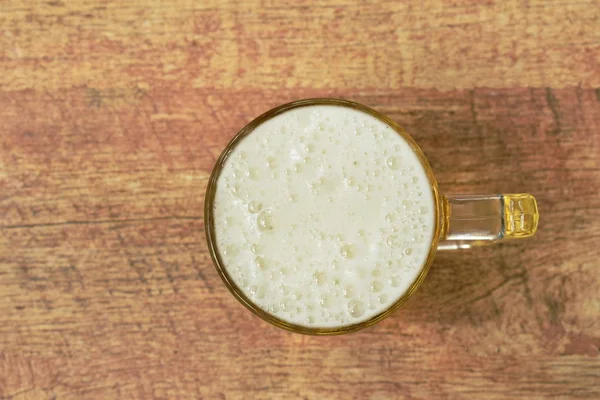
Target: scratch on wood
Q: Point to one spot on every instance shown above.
(114, 96)
(200, 274)
(555, 308)
(553, 104)
(105, 221)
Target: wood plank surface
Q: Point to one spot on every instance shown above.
(112, 115)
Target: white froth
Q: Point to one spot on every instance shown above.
(323, 216)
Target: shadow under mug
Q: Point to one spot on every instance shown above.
(461, 221)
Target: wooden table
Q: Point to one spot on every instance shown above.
(112, 115)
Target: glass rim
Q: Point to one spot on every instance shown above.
(211, 235)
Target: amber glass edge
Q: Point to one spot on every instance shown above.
(211, 236)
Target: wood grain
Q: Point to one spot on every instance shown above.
(270, 45)
(113, 114)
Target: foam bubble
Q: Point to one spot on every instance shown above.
(319, 277)
(356, 308)
(273, 308)
(393, 241)
(264, 221)
(326, 301)
(254, 207)
(260, 262)
(287, 304)
(347, 251)
(376, 286)
(349, 291)
(231, 250)
(393, 163)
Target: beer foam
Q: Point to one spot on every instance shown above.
(323, 216)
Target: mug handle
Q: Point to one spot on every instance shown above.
(472, 220)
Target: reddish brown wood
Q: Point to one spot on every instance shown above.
(112, 116)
